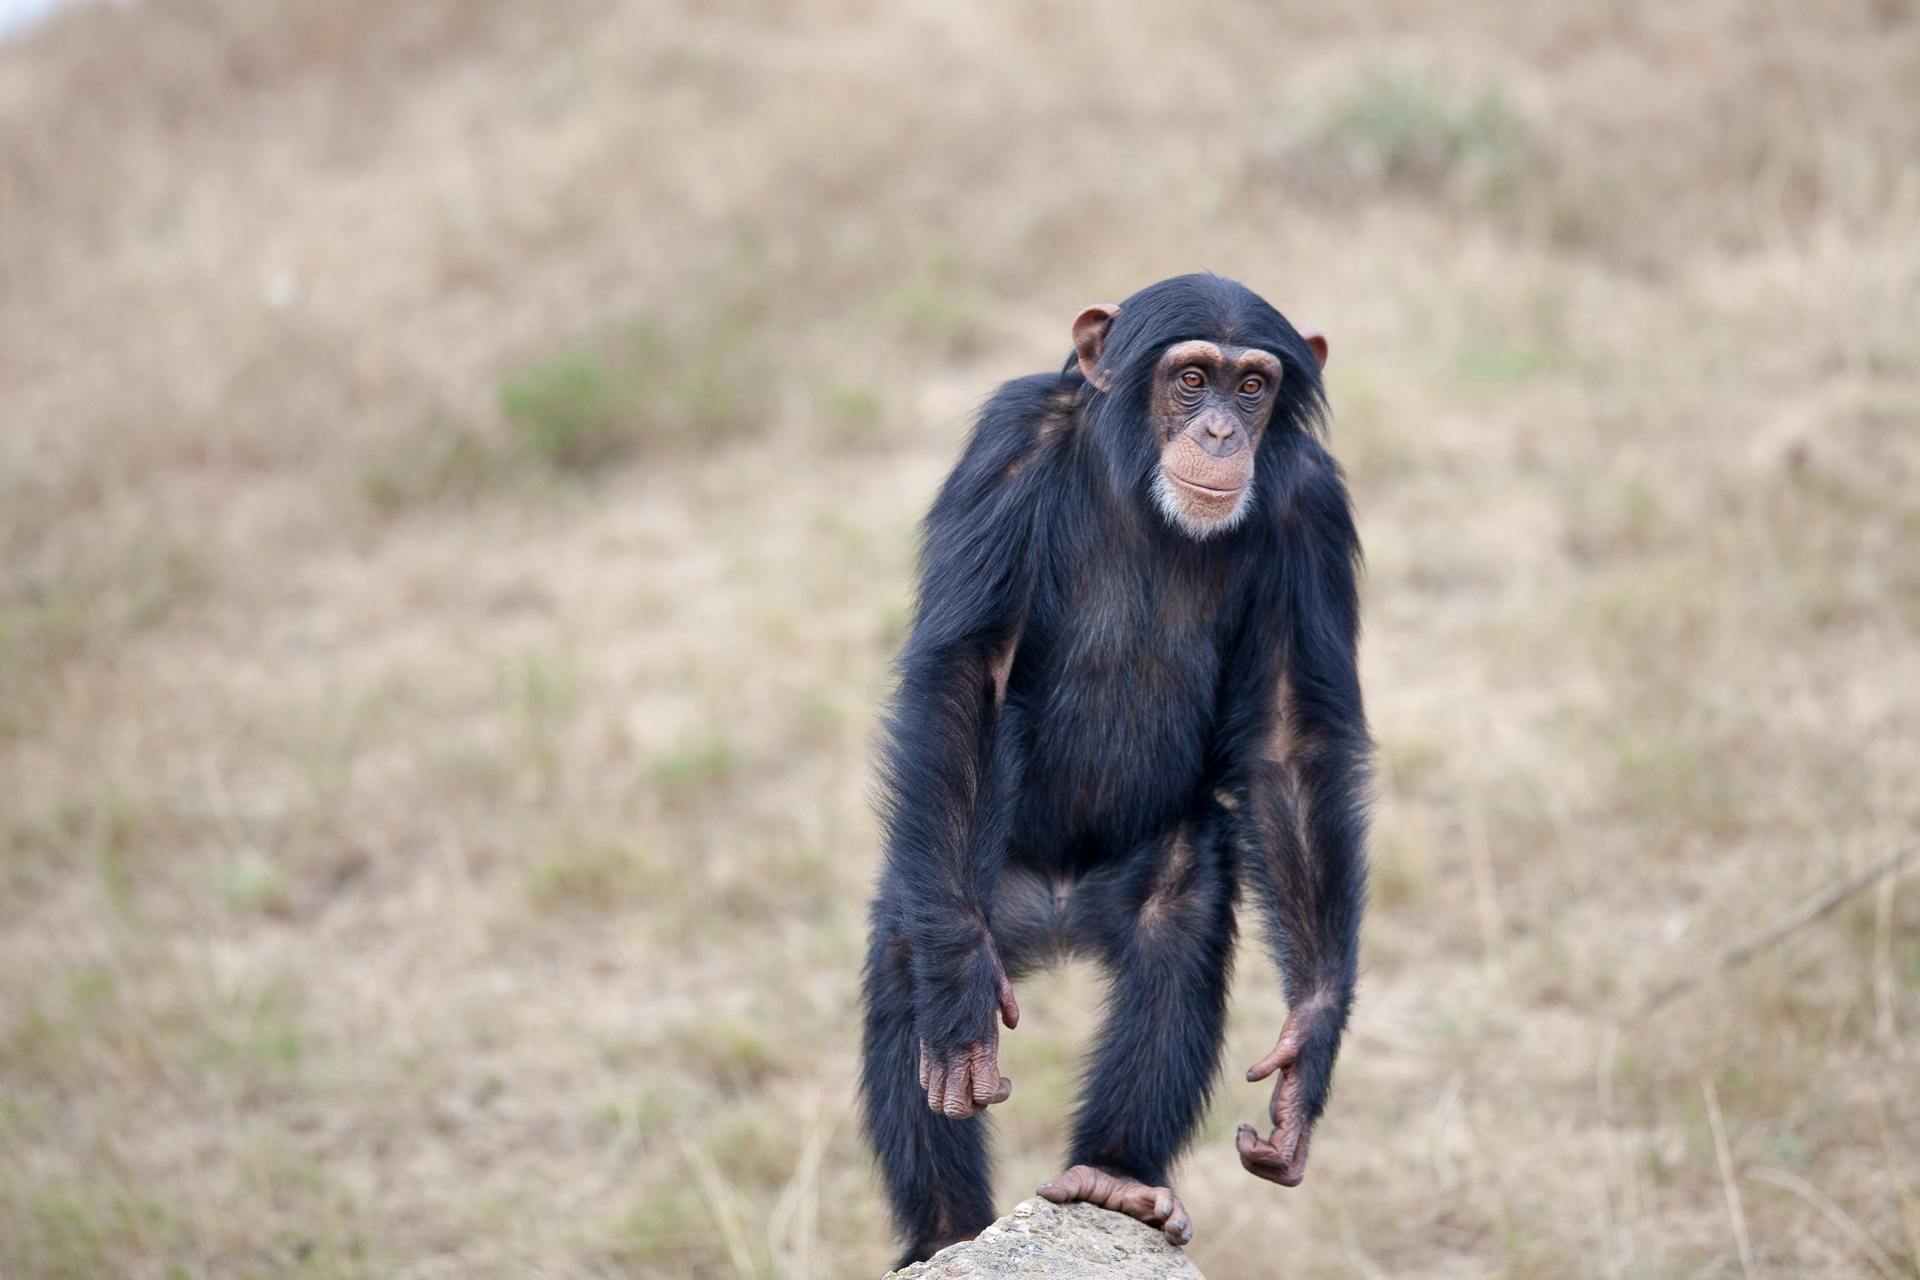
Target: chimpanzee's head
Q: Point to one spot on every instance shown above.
(1189, 377)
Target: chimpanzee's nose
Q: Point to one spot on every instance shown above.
(1220, 434)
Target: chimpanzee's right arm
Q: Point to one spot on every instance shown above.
(949, 775)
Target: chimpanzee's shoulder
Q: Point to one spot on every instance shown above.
(1026, 399)
(1027, 414)
(1019, 422)
(1311, 487)
(990, 478)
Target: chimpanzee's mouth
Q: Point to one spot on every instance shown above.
(1205, 491)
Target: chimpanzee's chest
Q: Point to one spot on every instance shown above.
(1119, 703)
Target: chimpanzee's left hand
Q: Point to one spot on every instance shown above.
(959, 1036)
(1304, 1058)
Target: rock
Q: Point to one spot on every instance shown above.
(1065, 1241)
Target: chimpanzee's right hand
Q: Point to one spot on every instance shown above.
(960, 1037)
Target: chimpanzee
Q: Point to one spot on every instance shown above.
(1130, 688)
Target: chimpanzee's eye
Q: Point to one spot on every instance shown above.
(1252, 387)
(1192, 380)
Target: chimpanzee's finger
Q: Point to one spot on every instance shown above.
(960, 1103)
(986, 1075)
(1286, 1141)
(1259, 1157)
(1297, 1158)
(1290, 1144)
(1009, 1007)
(1284, 1108)
(953, 1099)
(1284, 1051)
(1179, 1227)
(936, 1083)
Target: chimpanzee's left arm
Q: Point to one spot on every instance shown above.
(1301, 753)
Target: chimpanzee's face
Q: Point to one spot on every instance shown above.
(1211, 402)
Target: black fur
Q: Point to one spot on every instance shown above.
(1129, 784)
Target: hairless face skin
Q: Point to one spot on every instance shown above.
(1209, 405)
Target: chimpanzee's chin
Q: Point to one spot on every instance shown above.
(1196, 512)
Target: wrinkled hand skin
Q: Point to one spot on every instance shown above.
(1281, 1156)
(1155, 1206)
(968, 1082)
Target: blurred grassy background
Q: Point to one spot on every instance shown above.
(458, 472)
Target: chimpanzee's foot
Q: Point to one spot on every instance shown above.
(1155, 1206)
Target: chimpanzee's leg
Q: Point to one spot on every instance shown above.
(935, 1167)
(1166, 929)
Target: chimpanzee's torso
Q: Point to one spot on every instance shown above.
(1115, 694)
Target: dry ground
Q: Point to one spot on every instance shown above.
(458, 470)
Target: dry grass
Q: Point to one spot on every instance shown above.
(457, 480)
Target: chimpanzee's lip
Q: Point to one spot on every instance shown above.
(1207, 490)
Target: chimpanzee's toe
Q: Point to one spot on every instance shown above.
(1155, 1206)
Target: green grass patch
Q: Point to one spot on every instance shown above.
(644, 388)
(585, 877)
(734, 1053)
(1671, 787)
(571, 411)
(78, 1233)
(543, 691)
(699, 764)
(253, 884)
(1419, 128)
(668, 1226)
(444, 461)
(259, 1034)
(940, 314)
(101, 592)
(851, 414)
(1506, 364)
(100, 828)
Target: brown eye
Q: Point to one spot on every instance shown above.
(1252, 387)
(1192, 380)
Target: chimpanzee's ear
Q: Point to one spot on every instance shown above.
(1316, 343)
(1090, 338)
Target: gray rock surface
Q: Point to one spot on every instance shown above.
(1065, 1241)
